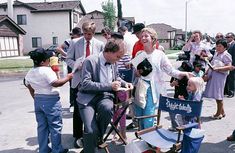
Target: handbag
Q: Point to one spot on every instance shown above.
(145, 67)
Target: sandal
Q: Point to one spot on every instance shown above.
(223, 115)
(230, 138)
(216, 117)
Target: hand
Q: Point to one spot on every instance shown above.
(116, 85)
(181, 97)
(205, 78)
(187, 74)
(128, 65)
(232, 68)
(129, 85)
(137, 73)
(69, 76)
(175, 83)
(192, 38)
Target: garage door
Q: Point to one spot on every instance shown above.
(8, 47)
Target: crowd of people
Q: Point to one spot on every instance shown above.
(95, 72)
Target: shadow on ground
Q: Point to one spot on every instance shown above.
(19, 150)
(221, 147)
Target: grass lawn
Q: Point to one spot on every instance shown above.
(15, 63)
(171, 51)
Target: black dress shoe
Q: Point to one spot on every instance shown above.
(128, 117)
(130, 126)
(230, 96)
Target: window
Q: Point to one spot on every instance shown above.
(21, 19)
(36, 42)
(55, 40)
(75, 18)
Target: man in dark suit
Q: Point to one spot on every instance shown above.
(229, 85)
(96, 92)
(79, 50)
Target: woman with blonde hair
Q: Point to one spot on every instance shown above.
(150, 64)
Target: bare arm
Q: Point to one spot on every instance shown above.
(60, 50)
(62, 81)
(224, 68)
(31, 90)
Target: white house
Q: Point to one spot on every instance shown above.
(46, 23)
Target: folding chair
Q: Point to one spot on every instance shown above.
(158, 137)
(122, 98)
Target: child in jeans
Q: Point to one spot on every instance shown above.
(42, 83)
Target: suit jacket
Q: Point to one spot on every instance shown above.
(91, 87)
(231, 50)
(76, 50)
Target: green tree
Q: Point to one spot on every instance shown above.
(109, 14)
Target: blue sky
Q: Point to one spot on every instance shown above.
(210, 16)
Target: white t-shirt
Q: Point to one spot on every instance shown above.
(40, 79)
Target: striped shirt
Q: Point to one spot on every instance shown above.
(121, 63)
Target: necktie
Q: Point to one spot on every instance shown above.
(88, 48)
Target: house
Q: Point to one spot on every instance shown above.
(98, 18)
(168, 36)
(46, 23)
(10, 37)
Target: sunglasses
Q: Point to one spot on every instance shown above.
(219, 37)
(228, 37)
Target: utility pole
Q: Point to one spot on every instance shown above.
(119, 13)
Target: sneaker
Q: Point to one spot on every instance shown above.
(71, 109)
(78, 143)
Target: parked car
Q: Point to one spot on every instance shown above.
(52, 48)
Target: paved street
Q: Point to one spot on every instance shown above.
(18, 125)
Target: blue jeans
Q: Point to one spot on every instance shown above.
(148, 110)
(49, 118)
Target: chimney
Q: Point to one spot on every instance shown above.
(10, 8)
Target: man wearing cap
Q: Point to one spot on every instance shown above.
(87, 45)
